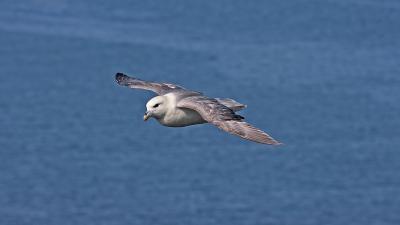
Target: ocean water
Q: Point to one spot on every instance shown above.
(321, 76)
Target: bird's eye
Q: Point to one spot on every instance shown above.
(156, 105)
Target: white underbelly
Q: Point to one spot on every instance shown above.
(181, 118)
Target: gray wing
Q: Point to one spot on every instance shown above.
(159, 88)
(224, 118)
(246, 131)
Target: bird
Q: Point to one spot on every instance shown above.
(176, 106)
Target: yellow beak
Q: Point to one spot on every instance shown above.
(146, 116)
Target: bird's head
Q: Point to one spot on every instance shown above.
(156, 108)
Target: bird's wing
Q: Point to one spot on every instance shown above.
(246, 131)
(159, 88)
(224, 118)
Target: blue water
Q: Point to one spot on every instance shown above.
(321, 76)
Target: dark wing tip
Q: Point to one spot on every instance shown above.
(121, 78)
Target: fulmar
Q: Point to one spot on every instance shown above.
(176, 106)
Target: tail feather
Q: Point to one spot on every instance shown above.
(232, 104)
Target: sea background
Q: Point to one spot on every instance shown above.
(323, 77)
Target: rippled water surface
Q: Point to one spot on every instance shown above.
(321, 76)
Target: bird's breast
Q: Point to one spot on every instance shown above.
(181, 118)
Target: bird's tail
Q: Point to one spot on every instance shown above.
(232, 104)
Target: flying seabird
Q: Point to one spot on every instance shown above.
(176, 106)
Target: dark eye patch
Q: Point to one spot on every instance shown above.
(156, 105)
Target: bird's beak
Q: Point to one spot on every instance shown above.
(146, 116)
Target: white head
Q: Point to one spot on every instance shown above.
(156, 107)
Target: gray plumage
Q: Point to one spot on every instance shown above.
(176, 107)
(159, 88)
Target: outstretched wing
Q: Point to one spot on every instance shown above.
(246, 131)
(224, 118)
(159, 88)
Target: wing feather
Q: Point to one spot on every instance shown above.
(159, 88)
(246, 131)
(225, 118)
(209, 108)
